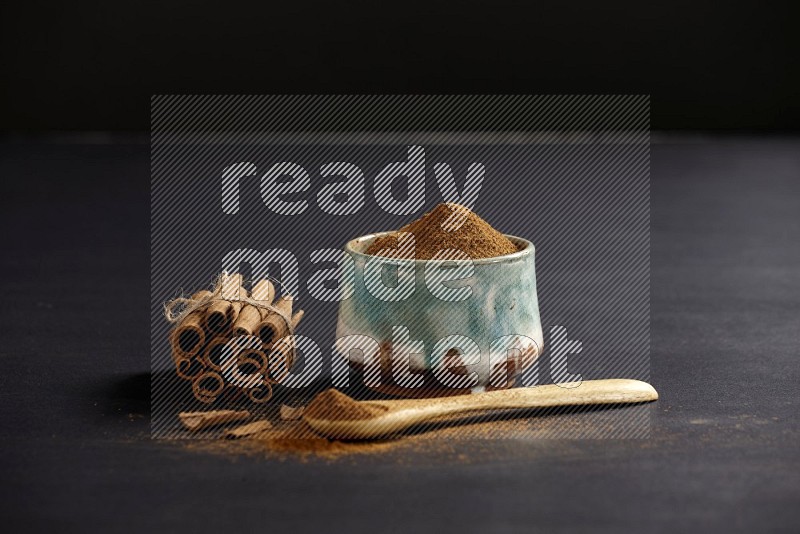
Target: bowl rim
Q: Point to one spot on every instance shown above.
(528, 249)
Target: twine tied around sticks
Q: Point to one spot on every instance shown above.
(177, 309)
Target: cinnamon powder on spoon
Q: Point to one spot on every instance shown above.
(334, 405)
(475, 237)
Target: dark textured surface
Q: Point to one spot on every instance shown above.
(723, 456)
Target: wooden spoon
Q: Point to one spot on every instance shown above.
(397, 415)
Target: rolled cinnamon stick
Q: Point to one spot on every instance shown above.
(296, 318)
(188, 337)
(250, 316)
(263, 291)
(259, 394)
(280, 358)
(248, 369)
(273, 327)
(208, 386)
(279, 362)
(222, 314)
(252, 361)
(212, 354)
(247, 321)
(189, 368)
(232, 286)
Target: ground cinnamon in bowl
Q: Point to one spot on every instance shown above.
(475, 237)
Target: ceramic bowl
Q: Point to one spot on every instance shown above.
(498, 311)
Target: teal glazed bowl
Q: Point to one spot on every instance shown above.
(480, 340)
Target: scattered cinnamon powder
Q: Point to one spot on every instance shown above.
(475, 237)
(467, 439)
(302, 441)
(294, 440)
(334, 405)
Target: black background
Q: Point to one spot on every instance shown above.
(94, 65)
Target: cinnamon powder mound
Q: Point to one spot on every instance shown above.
(334, 405)
(475, 237)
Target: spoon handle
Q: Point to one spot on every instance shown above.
(611, 391)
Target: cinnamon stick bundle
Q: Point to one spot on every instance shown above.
(198, 341)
